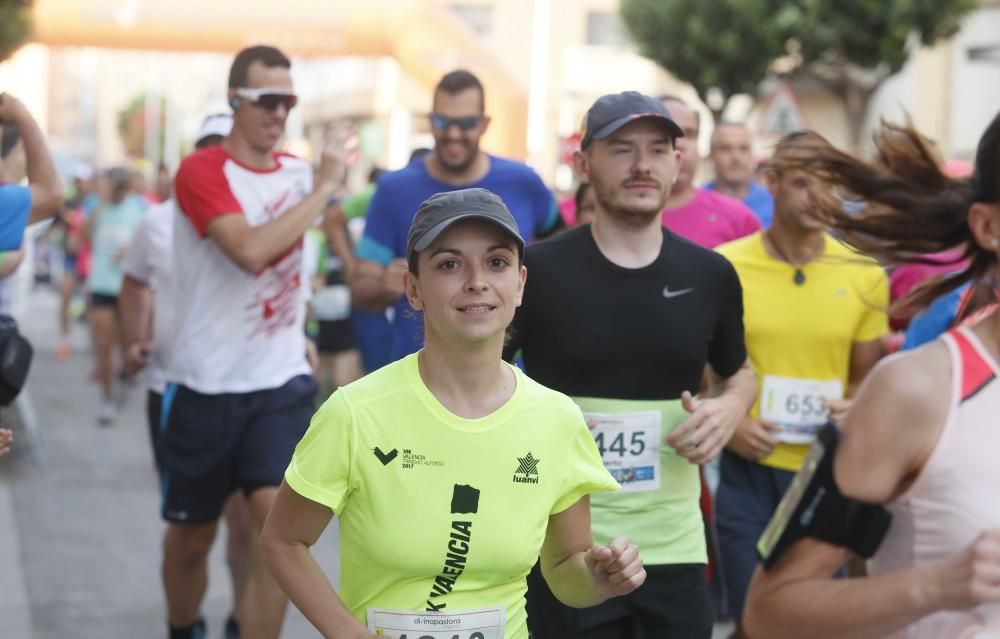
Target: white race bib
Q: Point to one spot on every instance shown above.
(630, 447)
(332, 303)
(483, 623)
(797, 405)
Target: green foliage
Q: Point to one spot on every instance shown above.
(132, 127)
(727, 44)
(868, 33)
(731, 44)
(15, 25)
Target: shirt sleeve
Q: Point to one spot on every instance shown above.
(585, 471)
(379, 239)
(203, 192)
(728, 349)
(875, 319)
(138, 263)
(546, 209)
(15, 208)
(748, 222)
(321, 467)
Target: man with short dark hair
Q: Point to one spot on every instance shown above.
(732, 156)
(146, 307)
(24, 154)
(240, 392)
(814, 321)
(624, 316)
(458, 121)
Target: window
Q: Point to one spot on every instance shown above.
(477, 16)
(605, 28)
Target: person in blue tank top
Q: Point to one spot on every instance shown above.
(458, 121)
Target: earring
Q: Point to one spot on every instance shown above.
(234, 103)
(995, 243)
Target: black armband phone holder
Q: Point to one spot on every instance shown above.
(815, 507)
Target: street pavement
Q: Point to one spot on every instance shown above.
(80, 531)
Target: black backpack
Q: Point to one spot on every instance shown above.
(15, 360)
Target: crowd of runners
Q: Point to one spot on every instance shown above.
(627, 416)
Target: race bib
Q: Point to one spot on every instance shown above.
(483, 623)
(332, 303)
(797, 405)
(630, 447)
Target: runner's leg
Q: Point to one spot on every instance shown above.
(264, 602)
(239, 547)
(185, 570)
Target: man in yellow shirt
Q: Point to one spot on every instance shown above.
(814, 313)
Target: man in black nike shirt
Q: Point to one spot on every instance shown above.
(624, 316)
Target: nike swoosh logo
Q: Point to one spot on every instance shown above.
(667, 293)
(385, 458)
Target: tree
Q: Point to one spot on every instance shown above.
(15, 25)
(722, 45)
(851, 46)
(132, 128)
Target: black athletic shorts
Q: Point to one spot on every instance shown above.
(213, 444)
(335, 336)
(673, 603)
(100, 299)
(154, 404)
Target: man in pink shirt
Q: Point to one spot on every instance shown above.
(700, 215)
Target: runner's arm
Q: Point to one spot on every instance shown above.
(335, 231)
(864, 356)
(135, 302)
(874, 462)
(701, 437)
(10, 261)
(375, 287)
(580, 573)
(43, 180)
(254, 248)
(292, 528)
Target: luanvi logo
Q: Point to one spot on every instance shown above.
(385, 458)
(526, 467)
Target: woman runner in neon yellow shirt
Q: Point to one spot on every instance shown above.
(450, 470)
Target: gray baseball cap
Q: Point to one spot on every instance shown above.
(611, 112)
(440, 211)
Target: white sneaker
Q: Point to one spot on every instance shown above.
(107, 412)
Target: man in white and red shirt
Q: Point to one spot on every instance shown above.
(241, 393)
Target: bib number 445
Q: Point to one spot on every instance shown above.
(636, 446)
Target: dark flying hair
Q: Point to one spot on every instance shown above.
(911, 208)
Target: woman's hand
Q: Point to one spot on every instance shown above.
(616, 568)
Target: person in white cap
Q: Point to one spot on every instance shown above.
(148, 327)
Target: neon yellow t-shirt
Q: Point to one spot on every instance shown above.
(438, 512)
(806, 331)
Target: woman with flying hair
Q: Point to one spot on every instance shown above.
(922, 438)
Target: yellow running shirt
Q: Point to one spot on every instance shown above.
(800, 336)
(437, 512)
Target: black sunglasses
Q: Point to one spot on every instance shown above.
(268, 99)
(443, 122)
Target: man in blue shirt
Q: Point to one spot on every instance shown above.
(24, 154)
(458, 122)
(732, 158)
